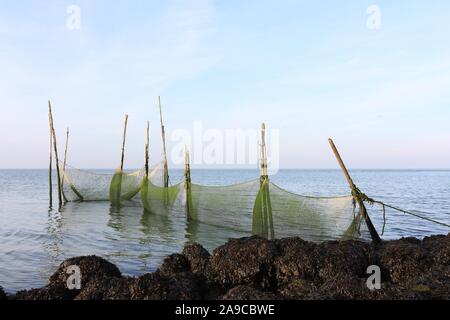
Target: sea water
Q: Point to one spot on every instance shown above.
(34, 240)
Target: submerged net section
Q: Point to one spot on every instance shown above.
(315, 218)
(83, 185)
(154, 196)
(262, 208)
(124, 186)
(225, 206)
(157, 199)
(256, 207)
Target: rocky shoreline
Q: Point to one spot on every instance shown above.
(259, 269)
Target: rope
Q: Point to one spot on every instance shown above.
(357, 193)
(413, 214)
(384, 220)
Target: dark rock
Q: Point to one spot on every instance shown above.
(298, 260)
(3, 294)
(109, 288)
(403, 260)
(297, 289)
(47, 293)
(258, 269)
(390, 291)
(91, 268)
(347, 257)
(247, 293)
(198, 258)
(153, 286)
(438, 248)
(244, 261)
(342, 286)
(175, 263)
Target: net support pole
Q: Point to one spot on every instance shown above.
(163, 136)
(263, 155)
(373, 232)
(55, 148)
(64, 164)
(266, 206)
(116, 182)
(187, 184)
(50, 182)
(123, 142)
(146, 149)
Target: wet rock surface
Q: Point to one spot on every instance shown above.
(248, 293)
(259, 269)
(244, 261)
(198, 257)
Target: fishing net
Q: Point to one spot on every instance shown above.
(225, 206)
(314, 218)
(262, 208)
(256, 207)
(83, 185)
(124, 186)
(154, 196)
(158, 199)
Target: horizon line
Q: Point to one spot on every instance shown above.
(241, 168)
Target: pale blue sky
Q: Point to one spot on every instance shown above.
(311, 70)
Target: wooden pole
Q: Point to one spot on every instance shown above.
(122, 158)
(373, 232)
(56, 154)
(266, 206)
(146, 149)
(187, 183)
(64, 164)
(50, 182)
(342, 165)
(263, 154)
(163, 136)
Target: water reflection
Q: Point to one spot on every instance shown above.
(54, 231)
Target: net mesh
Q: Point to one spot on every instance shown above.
(83, 185)
(262, 208)
(256, 207)
(314, 218)
(225, 206)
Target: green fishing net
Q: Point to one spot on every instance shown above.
(256, 207)
(262, 208)
(124, 186)
(84, 185)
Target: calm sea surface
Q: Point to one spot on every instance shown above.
(35, 240)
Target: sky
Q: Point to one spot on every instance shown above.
(377, 82)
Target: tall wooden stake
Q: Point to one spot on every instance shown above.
(263, 151)
(187, 184)
(373, 232)
(266, 206)
(163, 135)
(56, 154)
(64, 164)
(122, 158)
(50, 182)
(146, 149)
